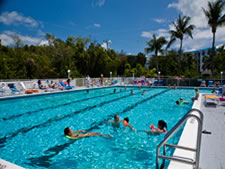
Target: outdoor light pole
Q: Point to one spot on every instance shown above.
(68, 73)
(111, 75)
(221, 77)
(159, 76)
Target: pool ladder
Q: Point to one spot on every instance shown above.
(194, 163)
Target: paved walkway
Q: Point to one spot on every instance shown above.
(212, 155)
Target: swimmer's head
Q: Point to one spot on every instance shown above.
(181, 99)
(68, 131)
(162, 124)
(126, 119)
(196, 89)
(177, 102)
(116, 117)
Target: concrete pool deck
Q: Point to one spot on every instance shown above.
(212, 150)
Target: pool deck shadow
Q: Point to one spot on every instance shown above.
(213, 145)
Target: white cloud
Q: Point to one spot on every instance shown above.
(159, 20)
(202, 33)
(99, 3)
(7, 40)
(158, 33)
(106, 44)
(146, 34)
(14, 18)
(97, 25)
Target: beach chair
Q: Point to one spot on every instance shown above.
(13, 88)
(211, 100)
(66, 87)
(203, 83)
(161, 82)
(4, 90)
(28, 91)
(210, 84)
(155, 83)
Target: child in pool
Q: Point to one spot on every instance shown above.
(183, 102)
(162, 126)
(126, 123)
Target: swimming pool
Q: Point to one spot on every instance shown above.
(32, 128)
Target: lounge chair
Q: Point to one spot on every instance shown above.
(13, 88)
(4, 89)
(66, 87)
(29, 91)
(156, 83)
(203, 84)
(161, 82)
(210, 84)
(211, 100)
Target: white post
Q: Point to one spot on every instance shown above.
(158, 77)
(68, 73)
(111, 75)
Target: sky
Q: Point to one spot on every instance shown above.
(126, 24)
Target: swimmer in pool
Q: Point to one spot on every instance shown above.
(73, 134)
(183, 102)
(144, 91)
(126, 123)
(132, 91)
(177, 102)
(116, 122)
(162, 126)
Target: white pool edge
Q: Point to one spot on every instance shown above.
(7, 165)
(188, 138)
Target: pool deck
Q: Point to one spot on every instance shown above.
(7, 165)
(212, 150)
(213, 145)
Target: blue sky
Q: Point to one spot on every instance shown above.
(128, 24)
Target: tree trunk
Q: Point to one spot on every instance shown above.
(213, 53)
(157, 61)
(180, 55)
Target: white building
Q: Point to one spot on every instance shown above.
(200, 56)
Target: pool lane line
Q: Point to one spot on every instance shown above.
(57, 118)
(44, 161)
(53, 107)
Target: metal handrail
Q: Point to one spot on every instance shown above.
(172, 132)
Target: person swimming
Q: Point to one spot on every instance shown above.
(177, 102)
(162, 126)
(183, 102)
(73, 134)
(132, 91)
(126, 123)
(114, 91)
(116, 122)
(144, 91)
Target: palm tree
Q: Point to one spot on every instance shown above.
(155, 45)
(215, 19)
(182, 27)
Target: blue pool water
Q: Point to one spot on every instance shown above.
(32, 128)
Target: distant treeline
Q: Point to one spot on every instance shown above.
(85, 57)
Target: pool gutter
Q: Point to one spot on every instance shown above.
(188, 139)
(7, 165)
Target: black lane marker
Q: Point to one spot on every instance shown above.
(52, 107)
(58, 118)
(45, 160)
